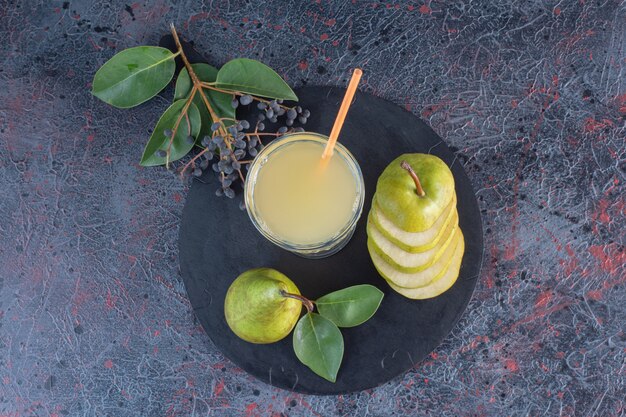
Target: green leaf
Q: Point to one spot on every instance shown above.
(220, 102)
(183, 84)
(133, 76)
(180, 147)
(318, 344)
(350, 306)
(253, 77)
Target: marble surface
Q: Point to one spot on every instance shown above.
(94, 319)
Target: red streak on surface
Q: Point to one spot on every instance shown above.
(591, 124)
(621, 102)
(610, 257)
(250, 408)
(511, 365)
(218, 388)
(557, 11)
(424, 9)
(108, 364)
(199, 16)
(110, 300)
(541, 313)
(302, 65)
(330, 22)
(594, 295)
(543, 299)
(323, 37)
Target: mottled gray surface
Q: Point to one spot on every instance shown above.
(94, 319)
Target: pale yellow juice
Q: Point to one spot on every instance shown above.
(301, 201)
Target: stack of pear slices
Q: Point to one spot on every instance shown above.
(414, 238)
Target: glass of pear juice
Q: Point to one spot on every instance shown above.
(301, 203)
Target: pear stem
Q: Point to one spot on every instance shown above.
(307, 303)
(418, 184)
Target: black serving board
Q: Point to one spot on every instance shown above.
(218, 242)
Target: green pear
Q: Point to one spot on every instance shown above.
(419, 241)
(415, 279)
(441, 283)
(405, 261)
(262, 305)
(414, 190)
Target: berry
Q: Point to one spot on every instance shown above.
(261, 106)
(306, 113)
(204, 164)
(245, 100)
(197, 172)
(252, 143)
(215, 126)
(298, 129)
(233, 130)
(219, 192)
(289, 122)
(280, 111)
(228, 192)
(260, 127)
(215, 167)
(261, 117)
(242, 205)
(269, 113)
(299, 109)
(291, 114)
(161, 153)
(190, 140)
(280, 101)
(253, 152)
(240, 144)
(274, 119)
(217, 140)
(239, 153)
(226, 182)
(234, 103)
(245, 124)
(211, 146)
(302, 120)
(168, 133)
(236, 165)
(282, 130)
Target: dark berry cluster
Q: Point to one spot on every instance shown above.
(233, 144)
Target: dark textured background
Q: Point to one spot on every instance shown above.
(94, 319)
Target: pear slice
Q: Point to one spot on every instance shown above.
(414, 241)
(415, 279)
(404, 261)
(442, 283)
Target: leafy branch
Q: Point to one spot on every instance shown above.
(317, 340)
(203, 114)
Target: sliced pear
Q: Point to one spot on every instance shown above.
(404, 261)
(442, 283)
(414, 242)
(415, 279)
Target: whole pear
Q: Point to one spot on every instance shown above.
(262, 305)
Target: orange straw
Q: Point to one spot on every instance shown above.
(343, 111)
